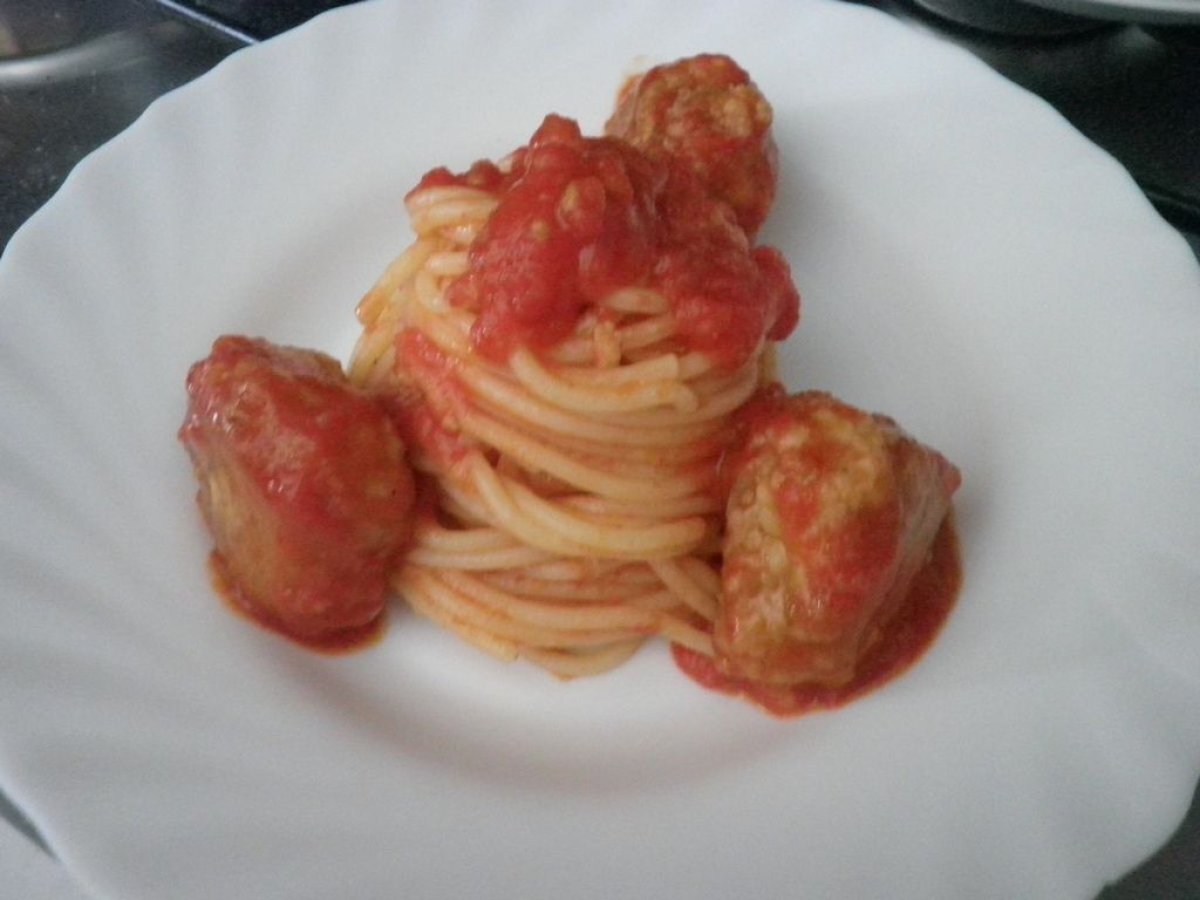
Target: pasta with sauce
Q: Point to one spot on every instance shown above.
(575, 359)
(576, 506)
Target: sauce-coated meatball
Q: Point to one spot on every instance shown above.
(303, 484)
(831, 513)
(706, 114)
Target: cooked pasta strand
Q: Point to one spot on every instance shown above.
(579, 517)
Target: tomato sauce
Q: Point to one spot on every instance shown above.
(902, 642)
(424, 421)
(580, 217)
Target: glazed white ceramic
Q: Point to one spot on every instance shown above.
(969, 264)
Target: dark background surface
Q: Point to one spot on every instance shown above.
(73, 73)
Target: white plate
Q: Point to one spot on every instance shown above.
(968, 264)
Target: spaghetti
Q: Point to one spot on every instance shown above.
(573, 484)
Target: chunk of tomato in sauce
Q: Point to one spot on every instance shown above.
(579, 218)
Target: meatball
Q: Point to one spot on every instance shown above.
(303, 484)
(831, 513)
(705, 115)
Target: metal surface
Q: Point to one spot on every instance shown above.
(73, 73)
(1162, 12)
(1133, 90)
(1007, 18)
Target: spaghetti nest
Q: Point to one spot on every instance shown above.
(572, 511)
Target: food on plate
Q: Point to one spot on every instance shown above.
(577, 354)
(565, 344)
(832, 513)
(303, 485)
(704, 114)
(901, 642)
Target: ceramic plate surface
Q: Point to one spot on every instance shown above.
(969, 264)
